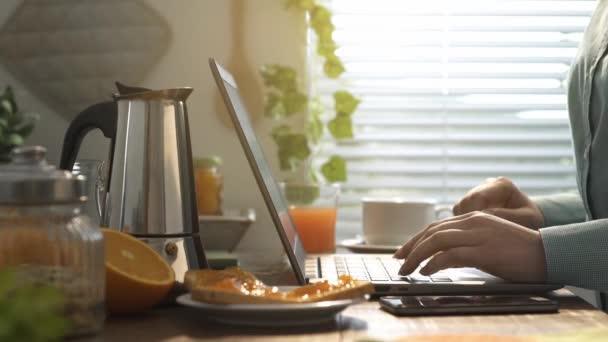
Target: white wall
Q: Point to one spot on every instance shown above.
(200, 29)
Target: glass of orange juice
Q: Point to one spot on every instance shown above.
(314, 208)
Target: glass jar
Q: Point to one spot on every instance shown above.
(93, 170)
(209, 185)
(46, 240)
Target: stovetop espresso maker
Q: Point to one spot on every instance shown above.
(150, 187)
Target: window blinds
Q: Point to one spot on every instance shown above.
(453, 92)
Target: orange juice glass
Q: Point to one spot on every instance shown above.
(313, 209)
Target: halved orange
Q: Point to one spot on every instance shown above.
(137, 277)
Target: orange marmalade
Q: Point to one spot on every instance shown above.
(236, 280)
(318, 289)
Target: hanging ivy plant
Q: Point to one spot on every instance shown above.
(284, 99)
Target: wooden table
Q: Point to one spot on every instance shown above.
(357, 322)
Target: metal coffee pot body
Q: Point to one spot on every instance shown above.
(150, 186)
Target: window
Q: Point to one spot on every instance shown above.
(453, 92)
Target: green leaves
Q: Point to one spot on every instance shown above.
(301, 194)
(292, 147)
(14, 139)
(333, 67)
(341, 127)
(345, 102)
(334, 170)
(280, 77)
(320, 21)
(314, 127)
(294, 102)
(283, 97)
(29, 313)
(6, 105)
(300, 4)
(14, 126)
(273, 108)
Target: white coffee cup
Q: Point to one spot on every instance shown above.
(392, 221)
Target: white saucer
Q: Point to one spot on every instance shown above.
(358, 245)
(270, 315)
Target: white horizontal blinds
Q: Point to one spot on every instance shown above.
(453, 92)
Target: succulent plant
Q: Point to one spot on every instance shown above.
(15, 126)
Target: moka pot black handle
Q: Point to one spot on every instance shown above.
(102, 116)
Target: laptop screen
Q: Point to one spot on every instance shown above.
(273, 197)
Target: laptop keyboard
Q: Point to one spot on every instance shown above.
(371, 268)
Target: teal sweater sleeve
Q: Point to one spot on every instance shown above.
(561, 209)
(576, 250)
(577, 254)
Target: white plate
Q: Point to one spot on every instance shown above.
(358, 245)
(270, 315)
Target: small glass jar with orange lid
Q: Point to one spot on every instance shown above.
(209, 185)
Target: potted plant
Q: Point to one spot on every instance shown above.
(15, 125)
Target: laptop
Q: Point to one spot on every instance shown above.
(379, 269)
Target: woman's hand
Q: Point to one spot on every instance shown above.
(489, 243)
(500, 197)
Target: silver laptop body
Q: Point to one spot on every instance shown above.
(380, 269)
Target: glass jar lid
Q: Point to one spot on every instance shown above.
(207, 162)
(30, 180)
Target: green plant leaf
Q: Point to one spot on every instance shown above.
(320, 18)
(341, 127)
(278, 132)
(294, 102)
(7, 107)
(283, 98)
(15, 119)
(334, 170)
(333, 67)
(7, 282)
(300, 4)
(14, 139)
(320, 21)
(273, 106)
(345, 102)
(25, 129)
(299, 195)
(314, 127)
(293, 148)
(29, 312)
(10, 96)
(326, 49)
(280, 77)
